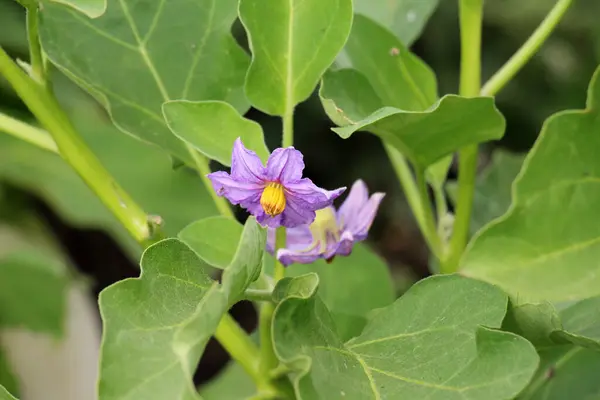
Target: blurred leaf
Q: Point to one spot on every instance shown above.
(177, 196)
(156, 326)
(399, 78)
(291, 51)
(351, 287)
(565, 372)
(551, 227)
(140, 54)
(492, 188)
(213, 239)
(580, 323)
(91, 8)
(428, 344)
(406, 18)
(8, 380)
(211, 127)
(425, 137)
(535, 322)
(4, 395)
(232, 383)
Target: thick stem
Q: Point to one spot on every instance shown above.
(432, 237)
(203, 168)
(288, 128)
(258, 295)
(527, 50)
(36, 60)
(72, 148)
(235, 340)
(471, 16)
(28, 133)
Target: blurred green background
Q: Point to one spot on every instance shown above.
(42, 202)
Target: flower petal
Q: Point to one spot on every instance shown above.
(296, 238)
(297, 213)
(361, 222)
(285, 165)
(245, 164)
(309, 196)
(237, 192)
(288, 257)
(354, 202)
(346, 244)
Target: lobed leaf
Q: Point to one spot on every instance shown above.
(162, 50)
(163, 320)
(211, 127)
(292, 50)
(91, 8)
(428, 344)
(549, 259)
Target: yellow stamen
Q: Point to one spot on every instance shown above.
(324, 224)
(272, 199)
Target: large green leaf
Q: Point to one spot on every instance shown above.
(547, 246)
(351, 287)
(492, 188)
(232, 383)
(156, 326)
(565, 372)
(177, 196)
(406, 18)
(32, 292)
(291, 51)
(211, 127)
(4, 395)
(428, 344)
(213, 239)
(581, 323)
(91, 8)
(425, 137)
(140, 54)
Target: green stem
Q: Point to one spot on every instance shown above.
(29, 133)
(280, 242)
(471, 17)
(431, 234)
(36, 60)
(527, 50)
(239, 345)
(203, 168)
(258, 295)
(72, 148)
(288, 128)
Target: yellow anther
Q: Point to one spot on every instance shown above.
(272, 199)
(324, 225)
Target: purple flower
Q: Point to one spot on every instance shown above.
(276, 195)
(333, 232)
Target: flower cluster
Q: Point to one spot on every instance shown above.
(277, 195)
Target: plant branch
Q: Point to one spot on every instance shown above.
(29, 133)
(431, 235)
(527, 50)
(288, 128)
(471, 16)
(258, 295)
(38, 68)
(75, 152)
(239, 345)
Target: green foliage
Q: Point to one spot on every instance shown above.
(8, 380)
(163, 50)
(91, 8)
(406, 18)
(429, 343)
(4, 395)
(211, 127)
(291, 52)
(534, 257)
(231, 384)
(163, 319)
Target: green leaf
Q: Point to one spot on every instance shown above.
(351, 287)
(406, 18)
(492, 188)
(32, 293)
(140, 54)
(91, 8)
(213, 239)
(211, 127)
(535, 322)
(399, 78)
(565, 372)
(8, 380)
(550, 228)
(425, 137)
(580, 323)
(156, 326)
(4, 395)
(233, 383)
(293, 49)
(428, 344)
(176, 196)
